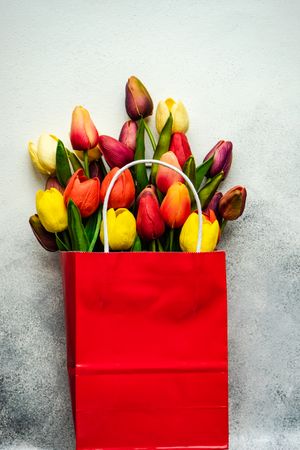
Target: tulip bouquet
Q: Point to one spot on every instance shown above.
(150, 209)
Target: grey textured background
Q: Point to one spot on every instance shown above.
(235, 64)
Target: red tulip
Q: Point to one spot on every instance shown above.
(150, 224)
(180, 146)
(176, 206)
(123, 192)
(166, 177)
(85, 193)
(222, 153)
(128, 134)
(115, 152)
(84, 134)
(232, 204)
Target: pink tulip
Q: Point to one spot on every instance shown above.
(115, 153)
(165, 176)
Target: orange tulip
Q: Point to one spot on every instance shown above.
(85, 193)
(166, 177)
(232, 204)
(123, 192)
(176, 206)
(84, 134)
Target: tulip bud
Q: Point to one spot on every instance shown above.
(46, 239)
(138, 101)
(121, 227)
(189, 233)
(51, 210)
(43, 156)
(116, 153)
(123, 192)
(85, 193)
(214, 205)
(180, 146)
(84, 134)
(52, 182)
(222, 153)
(150, 224)
(179, 114)
(232, 204)
(176, 205)
(166, 177)
(128, 134)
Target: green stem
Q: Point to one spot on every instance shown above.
(171, 239)
(151, 137)
(153, 246)
(160, 247)
(223, 225)
(86, 163)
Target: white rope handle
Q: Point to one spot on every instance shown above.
(151, 161)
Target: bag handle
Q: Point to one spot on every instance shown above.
(150, 161)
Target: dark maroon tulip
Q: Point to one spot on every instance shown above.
(150, 224)
(116, 153)
(128, 134)
(52, 182)
(180, 146)
(46, 239)
(138, 101)
(222, 152)
(95, 171)
(232, 204)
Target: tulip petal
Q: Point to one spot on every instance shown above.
(32, 148)
(46, 152)
(162, 115)
(180, 118)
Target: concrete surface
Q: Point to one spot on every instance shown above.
(235, 64)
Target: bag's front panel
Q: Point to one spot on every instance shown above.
(151, 350)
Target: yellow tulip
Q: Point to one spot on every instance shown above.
(189, 234)
(121, 226)
(51, 210)
(179, 114)
(43, 155)
(94, 154)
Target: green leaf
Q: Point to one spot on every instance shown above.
(201, 172)
(162, 145)
(189, 169)
(63, 171)
(137, 245)
(95, 236)
(140, 170)
(209, 189)
(74, 160)
(60, 244)
(79, 239)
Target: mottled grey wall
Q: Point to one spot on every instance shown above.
(236, 66)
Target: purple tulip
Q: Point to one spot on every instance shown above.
(116, 153)
(214, 205)
(128, 134)
(222, 153)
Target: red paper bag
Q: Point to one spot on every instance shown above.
(147, 349)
